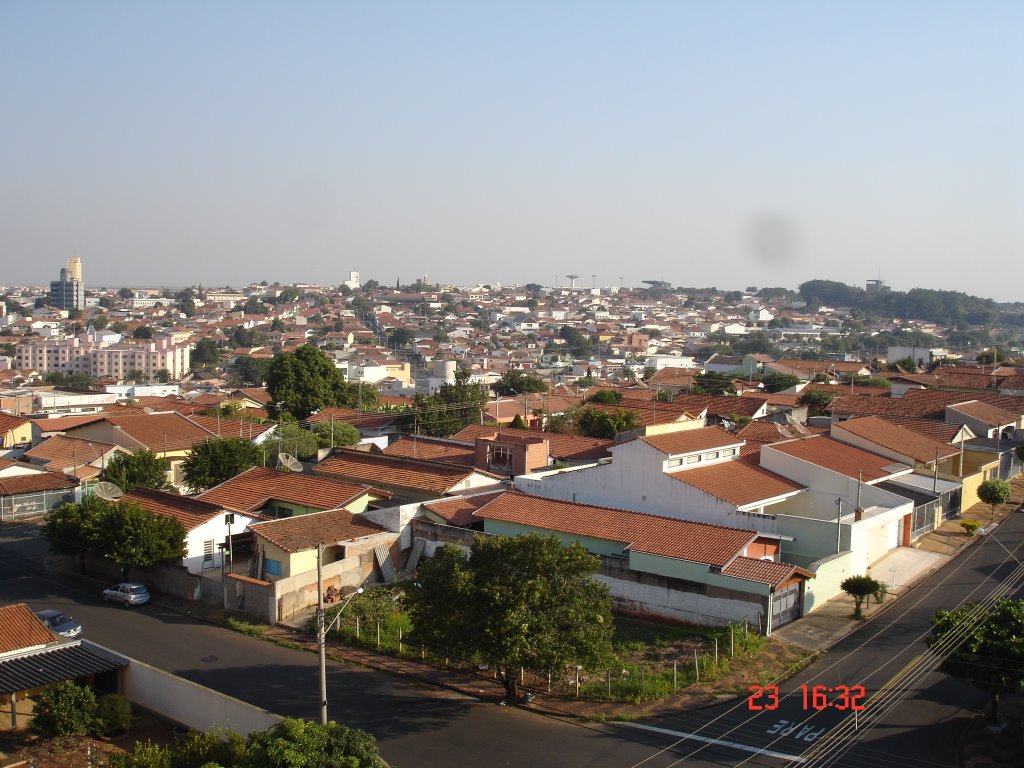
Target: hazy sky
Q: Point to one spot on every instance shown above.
(703, 143)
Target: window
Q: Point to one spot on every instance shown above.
(272, 567)
(692, 459)
(710, 455)
(208, 551)
(727, 452)
(500, 456)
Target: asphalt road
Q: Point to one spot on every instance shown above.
(913, 715)
(911, 722)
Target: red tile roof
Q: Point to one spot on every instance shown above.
(839, 457)
(191, 513)
(20, 628)
(904, 441)
(223, 427)
(652, 534)
(358, 419)
(37, 481)
(460, 510)
(251, 490)
(161, 431)
(414, 474)
(763, 571)
(434, 449)
(692, 440)
(64, 423)
(559, 446)
(741, 482)
(9, 422)
(302, 532)
(988, 414)
(60, 452)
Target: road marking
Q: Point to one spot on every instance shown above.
(709, 740)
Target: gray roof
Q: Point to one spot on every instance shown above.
(69, 661)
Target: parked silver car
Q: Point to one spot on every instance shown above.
(127, 593)
(60, 623)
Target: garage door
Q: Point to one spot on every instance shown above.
(786, 605)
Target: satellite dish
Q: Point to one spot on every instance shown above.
(107, 491)
(287, 461)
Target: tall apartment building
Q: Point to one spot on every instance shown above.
(69, 291)
(102, 359)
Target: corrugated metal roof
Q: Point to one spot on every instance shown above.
(70, 661)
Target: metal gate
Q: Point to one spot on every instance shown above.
(786, 605)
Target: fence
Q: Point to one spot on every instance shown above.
(638, 670)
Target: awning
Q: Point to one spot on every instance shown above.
(68, 661)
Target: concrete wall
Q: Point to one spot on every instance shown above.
(829, 573)
(437, 535)
(189, 703)
(653, 596)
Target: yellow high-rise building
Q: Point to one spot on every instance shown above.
(74, 268)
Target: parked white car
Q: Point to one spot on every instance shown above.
(127, 593)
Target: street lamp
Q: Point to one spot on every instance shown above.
(322, 629)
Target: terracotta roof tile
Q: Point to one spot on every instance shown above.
(377, 469)
(302, 532)
(763, 571)
(63, 452)
(989, 414)
(251, 490)
(64, 423)
(9, 422)
(559, 446)
(161, 431)
(460, 510)
(434, 449)
(665, 536)
(358, 419)
(37, 481)
(936, 430)
(839, 457)
(222, 427)
(191, 513)
(904, 441)
(741, 482)
(20, 628)
(692, 440)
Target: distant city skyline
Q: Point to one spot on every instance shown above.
(727, 144)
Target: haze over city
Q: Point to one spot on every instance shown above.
(718, 144)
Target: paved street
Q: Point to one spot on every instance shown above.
(433, 727)
(913, 714)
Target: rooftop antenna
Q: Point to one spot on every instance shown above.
(107, 491)
(289, 462)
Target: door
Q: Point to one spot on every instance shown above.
(786, 605)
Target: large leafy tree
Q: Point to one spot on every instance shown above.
(142, 469)
(205, 353)
(122, 532)
(296, 743)
(816, 400)
(518, 382)
(982, 647)
(305, 381)
(211, 463)
(994, 492)
(452, 408)
(251, 371)
(525, 602)
(336, 434)
(605, 422)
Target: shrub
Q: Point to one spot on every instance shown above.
(970, 526)
(859, 588)
(113, 714)
(199, 748)
(145, 754)
(66, 709)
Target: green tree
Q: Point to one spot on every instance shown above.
(205, 353)
(776, 382)
(135, 375)
(715, 383)
(142, 469)
(125, 293)
(306, 381)
(861, 588)
(67, 528)
(516, 602)
(816, 400)
(518, 382)
(994, 492)
(163, 375)
(251, 371)
(606, 423)
(142, 332)
(337, 434)
(604, 396)
(294, 743)
(69, 380)
(254, 307)
(99, 322)
(65, 709)
(401, 337)
(452, 408)
(578, 344)
(982, 646)
(211, 463)
(130, 536)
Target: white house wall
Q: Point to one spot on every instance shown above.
(214, 529)
(677, 605)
